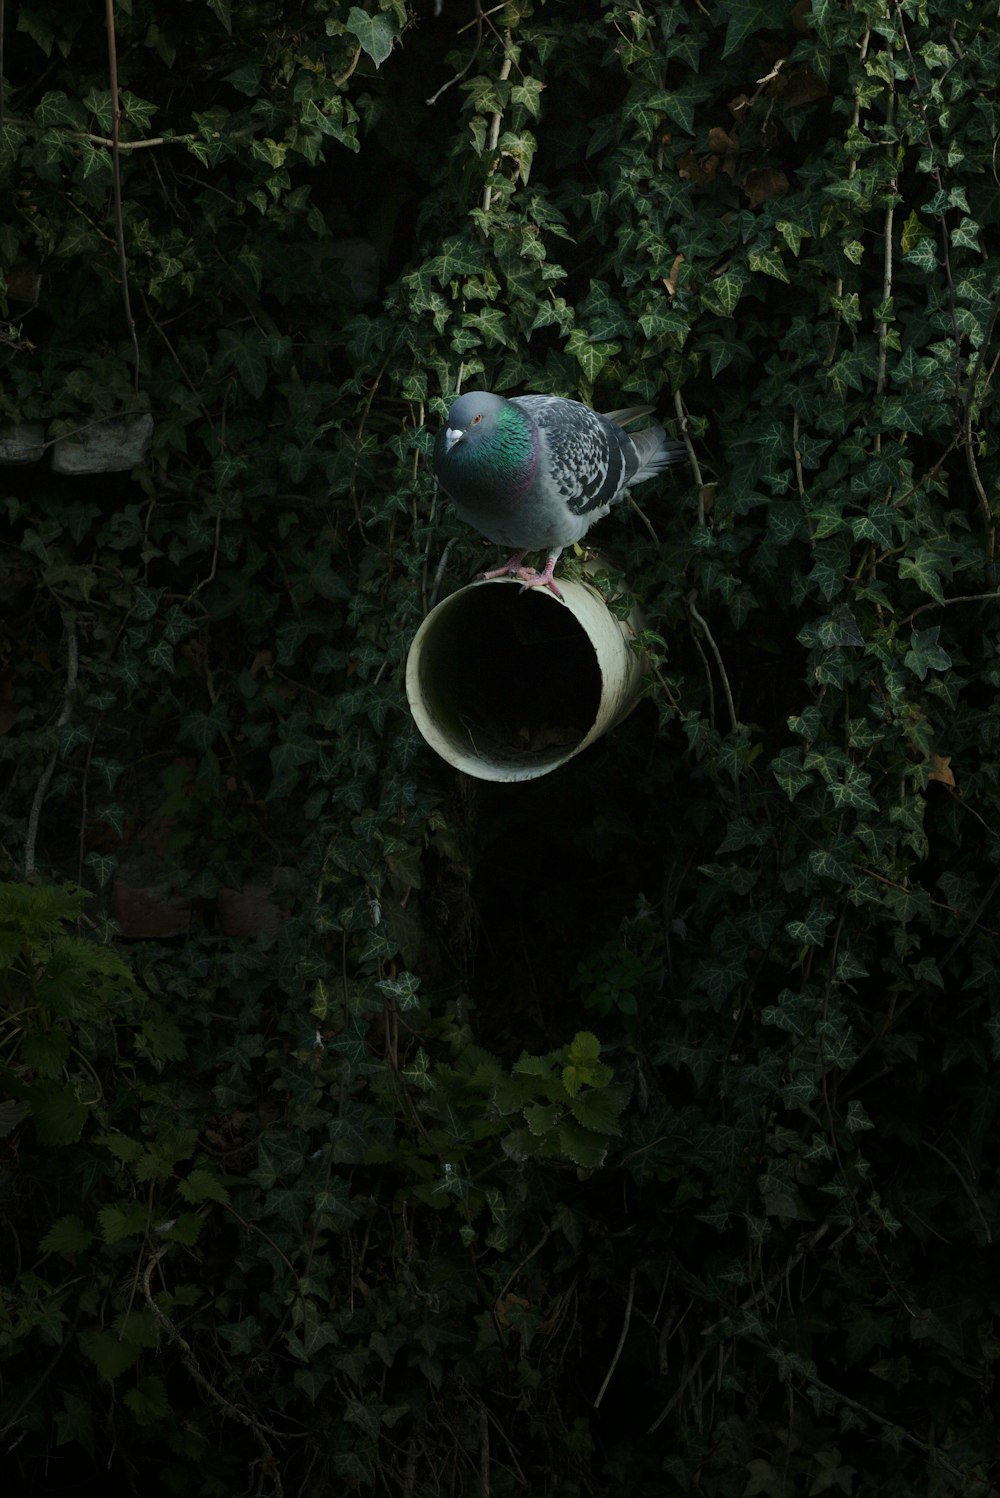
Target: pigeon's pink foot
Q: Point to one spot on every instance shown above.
(544, 579)
(512, 566)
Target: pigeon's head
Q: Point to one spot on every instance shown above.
(472, 417)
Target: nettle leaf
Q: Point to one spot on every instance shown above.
(185, 1228)
(57, 1112)
(203, 1185)
(122, 1220)
(110, 1356)
(585, 1148)
(599, 1110)
(583, 1066)
(67, 1236)
(46, 1051)
(375, 33)
(148, 1401)
(542, 1118)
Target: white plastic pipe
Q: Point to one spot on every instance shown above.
(508, 683)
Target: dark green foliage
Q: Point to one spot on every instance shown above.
(632, 1132)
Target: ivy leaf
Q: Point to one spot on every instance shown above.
(591, 357)
(787, 770)
(877, 525)
(527, 93)
(925, 653)
(376, 34)
(748, 16)
(811, 930)
(924, 574)
(723, 293)
(769, 262)
(56, 110)
(244, 352)
(246, 78)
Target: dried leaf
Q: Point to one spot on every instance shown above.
(801, 86)
(942, 769)
(699, 170)
(719, 140)
(761, 186)
(670, 282)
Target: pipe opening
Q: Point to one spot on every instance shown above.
(509, 679)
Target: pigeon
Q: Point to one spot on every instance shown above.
(534, 472)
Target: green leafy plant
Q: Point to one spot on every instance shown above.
(357, 1204)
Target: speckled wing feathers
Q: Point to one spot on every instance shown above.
(586, 462)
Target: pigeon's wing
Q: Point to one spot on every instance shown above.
(585, 463)
(628, 413)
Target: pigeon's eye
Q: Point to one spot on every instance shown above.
(477, 418)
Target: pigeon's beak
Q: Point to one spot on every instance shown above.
(451, 436)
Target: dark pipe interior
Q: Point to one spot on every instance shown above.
(512, 673)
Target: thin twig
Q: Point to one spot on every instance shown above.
(883, 327)
(188, 1359)
(918, 100)
(477, 21)
(72, 669)
(621, 1340)
(439, 573)
(852, 167)
(965, 1187)
(342, 78)
(797, 455)
(494, 135)
(863, 1409)
(645, 520)
(682, 419)
(138, 145)
(512, 1277)
(3, 29)
(116, 145)
(692, 610)
(800, 1253)
(67, 1337)
(484, 1452)
(940, 603)
(970, 457)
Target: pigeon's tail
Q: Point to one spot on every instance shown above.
(655, 451)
